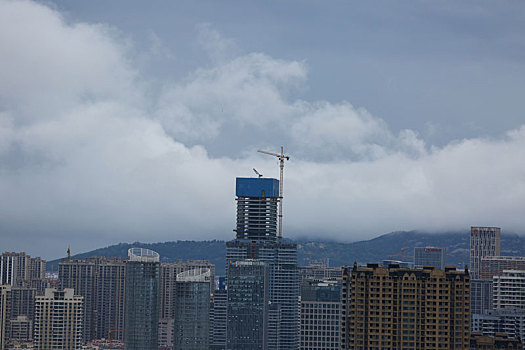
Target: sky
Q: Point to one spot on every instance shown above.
(128, 121)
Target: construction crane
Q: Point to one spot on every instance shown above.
(282, 158)
(402, 255)
(258, 174)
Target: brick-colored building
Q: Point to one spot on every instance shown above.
(494, 265)
(400, 308)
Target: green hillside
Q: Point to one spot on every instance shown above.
(338, 254)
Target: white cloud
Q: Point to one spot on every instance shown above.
(89, 157)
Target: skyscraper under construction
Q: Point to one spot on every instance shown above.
(257, 239)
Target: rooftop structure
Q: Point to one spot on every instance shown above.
(143, 255)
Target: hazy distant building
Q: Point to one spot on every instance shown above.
(192, 305)
(321, 312)
(509, 290)
(484, 242)
(100, 281)
(58, 320)
(494, 265)
(398, 308)
(429, 256)
(248, 298)
(142, 300)
(256, 239)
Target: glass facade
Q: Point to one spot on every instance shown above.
(256, 239)
(321, 315)
(192, 309)
(247, 305)
(142, 302)
(429, 256)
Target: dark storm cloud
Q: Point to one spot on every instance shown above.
(94, 151)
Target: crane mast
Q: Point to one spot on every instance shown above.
(281, 158)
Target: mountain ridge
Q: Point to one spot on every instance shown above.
(338, 254)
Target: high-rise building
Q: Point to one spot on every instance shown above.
(21, 313)
(321, 311)
(218, 316)
(168, 278)
(484, 242)
(58, 320)
(4, 314)
(80, 275)
(398, 308)
(429, 256)
(509, 290)
(100, 281)
(480, 296)
(192, 305)
(108, 308)
(14, 267)
(346, 294)
(19, 269)
(142, 300)
(257, 239)
(494, 265)
(257, 200)
(248, 301)
(20, 329)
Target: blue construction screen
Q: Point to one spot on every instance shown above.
(254, 187)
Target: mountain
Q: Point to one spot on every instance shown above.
(336, 253)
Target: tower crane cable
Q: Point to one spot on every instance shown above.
(281, 158)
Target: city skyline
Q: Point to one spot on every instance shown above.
(128, 128)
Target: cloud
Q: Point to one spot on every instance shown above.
(91, 154)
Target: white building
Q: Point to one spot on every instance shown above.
(58, 320)
(509, 289)
(484, 242)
